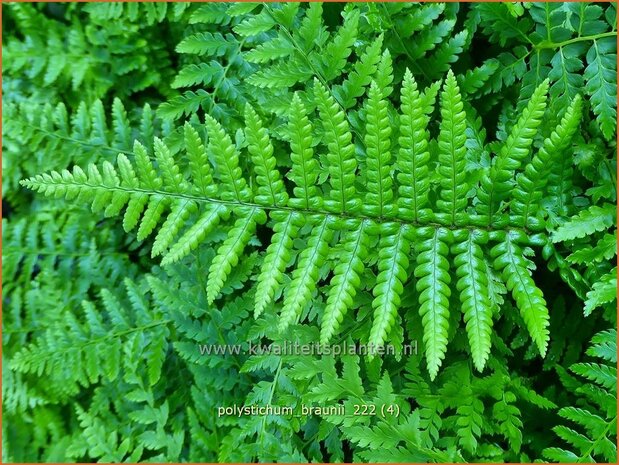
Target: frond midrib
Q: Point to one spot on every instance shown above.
(33, 182)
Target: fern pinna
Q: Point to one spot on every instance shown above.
(393, 188)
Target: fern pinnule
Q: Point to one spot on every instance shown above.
(496, 184)
(472, 284)
(271, 189)
(379, 195)
(346, 278)
(433, 279)
(305, 171)
(277, 257)
(305, 275)
(176, 219)
(530, 184)
(340, 48)
(394, 247)
(227, 162)
(199, 166)
(229, 252)
(452, 151)
(515, 268)
(209, 219)
(340, 155)
(360, 77)
(413, 155)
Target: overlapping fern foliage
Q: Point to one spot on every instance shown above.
(434, 177)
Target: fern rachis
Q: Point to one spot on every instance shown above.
(173, 196)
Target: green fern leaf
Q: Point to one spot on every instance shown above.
(605, 249)
(177, 218)
(229, 252)
(201, 173)
(515, 269)
(394, 248)
(413, 156)
(304, 172)
(360, 77)
(227, 162)
(603, 292)
(339, 49)
(473, 287)
(446, 54)
(433, 279)
(255, 24)
(283, 74)
(305, 275)
(379, 196)
(452, 151)
(601, 83)
(341, 155)
(277, 258)
(346, 279)
(280, 47)
(206, 43)
(270, 186)
(195, 234)
(587, 222)
(192, 75)
(496, 184)
(531, 183)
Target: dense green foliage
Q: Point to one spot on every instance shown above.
(233, 175)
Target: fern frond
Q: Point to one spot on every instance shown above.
(592, 438)
(433, 279)
(83, 352)
(191, 189)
